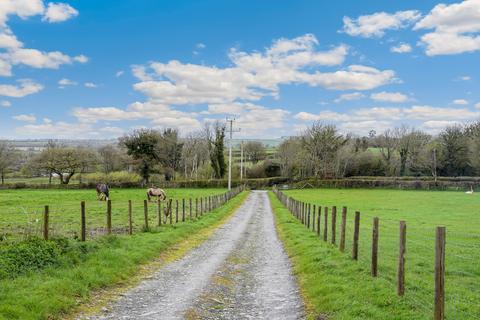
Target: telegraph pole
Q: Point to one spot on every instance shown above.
(230, 129)
(241, 160)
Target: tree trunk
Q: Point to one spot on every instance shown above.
(67, 178)
(3, 177)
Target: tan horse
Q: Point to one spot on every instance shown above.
(156, 192)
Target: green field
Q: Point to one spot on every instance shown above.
(21, 210)
(53, 284)
(422, 211)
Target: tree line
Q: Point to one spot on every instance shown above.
(321, 151)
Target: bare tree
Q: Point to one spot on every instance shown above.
(322, 143)
(111, 158)
(195, 153)
(387, 143)
(287, 154)
(64, 162)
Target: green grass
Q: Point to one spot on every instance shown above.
(37, 180)
(21, 210)
(422, 211)
(107, 262)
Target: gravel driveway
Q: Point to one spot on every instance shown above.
(241, 272)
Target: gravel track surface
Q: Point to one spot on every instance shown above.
(240, 272)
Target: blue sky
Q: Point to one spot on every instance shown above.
(99, 69)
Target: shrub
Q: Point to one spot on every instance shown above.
(118, 178)
(30, 255)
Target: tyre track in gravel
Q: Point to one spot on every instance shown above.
(240, 272)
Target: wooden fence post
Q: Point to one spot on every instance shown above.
(201, 206)
(109, 216)
(313, 218)
(46, 214)
(145, 213)
(83, 232)
(170, 210)
(191, 215)
(176, 211)
(342, 229)
(196, 207)
(374, 267)
(319, 220)
(130, 220)
(325, 224)
(183, 210)
(356, 233)
(401, 259)
(334, 224)
(439, 313)
(308, 216)
(159, 209)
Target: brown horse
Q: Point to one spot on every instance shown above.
(156, 192)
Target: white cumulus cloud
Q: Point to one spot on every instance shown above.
(25, 118)
(349, 97)
(25, 88)
(66, 82)
(460, 101)
(401, 48)
(456, 28)
(376, 24)
(12, 50)
(395, 97)
(257, 74)
(58, 12)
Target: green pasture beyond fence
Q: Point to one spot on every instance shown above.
(154, 214)
(333, 230)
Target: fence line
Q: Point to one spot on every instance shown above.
(164, 215)
(300, 210)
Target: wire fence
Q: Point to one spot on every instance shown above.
(413, 259)
(94, 219)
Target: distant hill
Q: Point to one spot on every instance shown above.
(39, 144)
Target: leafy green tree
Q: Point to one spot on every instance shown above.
(217, 148)
(455, 152)
(143, 146)
(255, 151)
(170, 152)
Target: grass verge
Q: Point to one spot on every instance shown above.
(332, 285)
(109, 266)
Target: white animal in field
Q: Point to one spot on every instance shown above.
(470, 191)
(156, 192)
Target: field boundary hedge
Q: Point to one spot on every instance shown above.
(416, 183)
(213, 183)
(392, 183)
